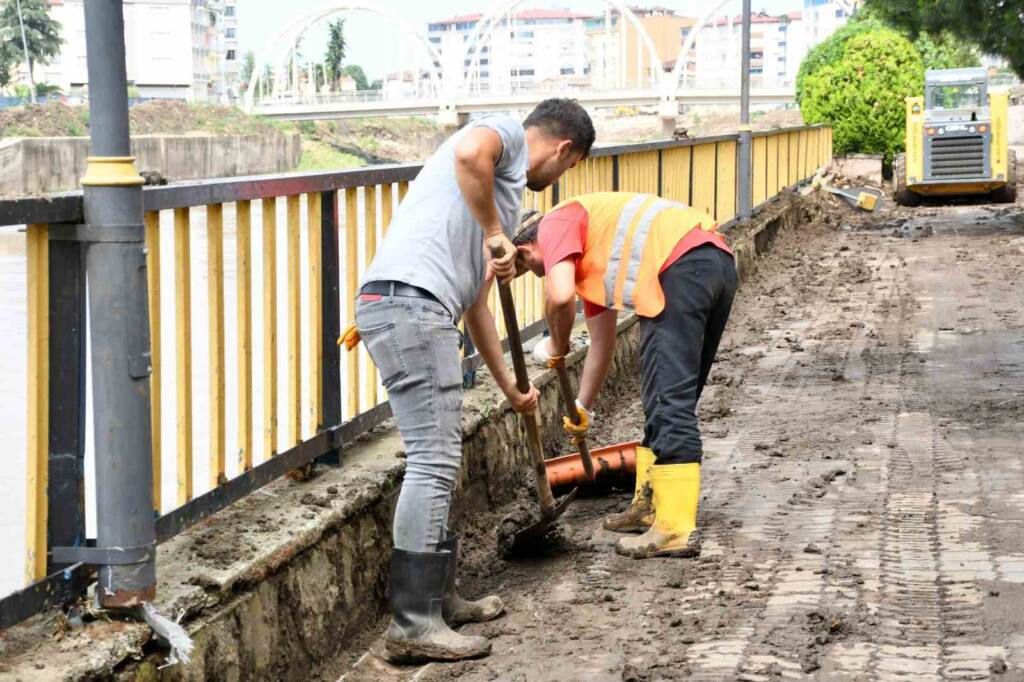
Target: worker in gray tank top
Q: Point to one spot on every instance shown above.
(433, 269)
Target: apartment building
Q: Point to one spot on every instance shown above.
(526, 49)
(822, 18)
(177, 49)
(618, 56)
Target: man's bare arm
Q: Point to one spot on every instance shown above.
(560, 309)
(602, 329)
(476, 155)
(480, 324)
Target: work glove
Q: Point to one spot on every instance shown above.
(542, 354)
(577, 432)
(350, 337)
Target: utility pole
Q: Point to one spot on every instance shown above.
(24, 46)
(746, 148)
(125, 549)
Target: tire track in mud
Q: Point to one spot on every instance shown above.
(798, 581)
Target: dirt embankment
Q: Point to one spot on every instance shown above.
(159, 117)
(631, 127)
(378, 140)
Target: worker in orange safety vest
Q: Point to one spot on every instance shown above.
(619, 251)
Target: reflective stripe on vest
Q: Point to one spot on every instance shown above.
(630, 237)
(629, 212)
(624, 290)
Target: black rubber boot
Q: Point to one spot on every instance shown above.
(416, 589)
(456, 609)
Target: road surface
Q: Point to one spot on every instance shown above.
(863, 484)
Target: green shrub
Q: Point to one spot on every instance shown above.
(831, 49)
(861, 94)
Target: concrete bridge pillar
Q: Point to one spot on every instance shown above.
(668, 109)
(450, 119)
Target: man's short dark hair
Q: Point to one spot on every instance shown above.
(564, 119)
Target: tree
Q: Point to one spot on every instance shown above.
(995, 26)
(42, 35)
(356, 73)
(946, 52)
(861, 94)
(336, 46)
(942, 51)
(248, 66)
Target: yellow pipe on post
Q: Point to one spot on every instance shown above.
(183, 333)
(269, 220)
(243, 255)
(215, 307)
(38, 423)
(152, 227)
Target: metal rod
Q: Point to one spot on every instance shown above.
(118, 317)
(745, 182)
(331, 317)
(66, 480)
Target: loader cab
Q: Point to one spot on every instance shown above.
(956, 96)
(958, 128)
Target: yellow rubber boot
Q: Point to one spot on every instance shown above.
(676, 492)
(639, 516)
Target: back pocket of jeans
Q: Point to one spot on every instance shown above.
(382, 344)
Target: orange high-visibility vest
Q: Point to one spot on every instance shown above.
(629, 238)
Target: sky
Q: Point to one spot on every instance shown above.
(378, 46)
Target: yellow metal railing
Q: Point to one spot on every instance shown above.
(274, 250)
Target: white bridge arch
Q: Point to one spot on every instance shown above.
(287, 39)
(671, 93)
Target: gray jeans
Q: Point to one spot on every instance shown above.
(415, 345)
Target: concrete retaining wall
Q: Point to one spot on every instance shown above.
(315, 573)
(39, 165)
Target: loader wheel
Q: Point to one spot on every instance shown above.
(1007, 194)
(902, 195)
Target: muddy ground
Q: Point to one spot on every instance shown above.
(863, 484)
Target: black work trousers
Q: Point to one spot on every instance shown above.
(678, 347)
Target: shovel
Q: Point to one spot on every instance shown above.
(565, 390)
(865, 198)
(549, 509)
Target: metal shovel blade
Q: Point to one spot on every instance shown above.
(536, 530)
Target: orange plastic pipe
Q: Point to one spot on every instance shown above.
(568, 469)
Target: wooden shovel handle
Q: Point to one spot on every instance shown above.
(565, 389)
(515, 347)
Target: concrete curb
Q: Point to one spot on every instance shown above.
(303, 566)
